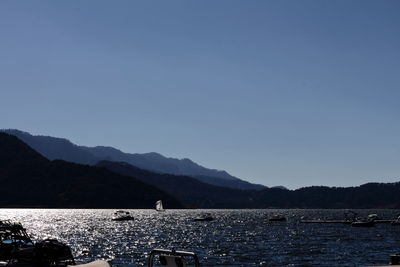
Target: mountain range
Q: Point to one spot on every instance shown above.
(59, 148)
(28, 179)
(57, 183)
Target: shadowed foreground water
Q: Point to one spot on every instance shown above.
(234, 238)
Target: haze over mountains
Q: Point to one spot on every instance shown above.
(60, 148)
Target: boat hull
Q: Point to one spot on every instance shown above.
(123, 219)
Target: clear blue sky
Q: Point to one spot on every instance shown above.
(291, 93)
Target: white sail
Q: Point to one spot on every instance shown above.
(159, 206)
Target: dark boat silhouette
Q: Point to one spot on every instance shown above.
(362, 223)
(121, 215)
(18, 250)
(277, 218)
(204, 218)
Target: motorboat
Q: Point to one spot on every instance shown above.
(373, 217)
(350, 217)
(363, 223)
(277, 218)
(121, 215)
(354, 221)
(159, 206)
(396, 222)
(206, 217)
(172, 258)
(18, 249)
(13, 237)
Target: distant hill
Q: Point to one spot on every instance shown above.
(29, 180)
(196, 194)
(186, 189)
(55, 148)
(371, 195)
(59, 148)
(280, 187)
(158, 163)
(234, 184)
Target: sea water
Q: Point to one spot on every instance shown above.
(234, 238)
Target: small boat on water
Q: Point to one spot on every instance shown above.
(206, 217)
(121, 215)
(354, 221)
(363, 223)
(373, 217)
(277, 218)
(396, 222)
(159, 206)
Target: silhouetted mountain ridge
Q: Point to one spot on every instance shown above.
(55, 148)
(196, 194)
(59, 148)
(370, 195)
(156, 162)
(29, 180)
(44, 183)
(186, 189)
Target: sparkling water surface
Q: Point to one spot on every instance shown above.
(234, 238)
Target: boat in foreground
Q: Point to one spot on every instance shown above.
(18, 249)
(172, 258)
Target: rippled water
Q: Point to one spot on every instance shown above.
(234, 238)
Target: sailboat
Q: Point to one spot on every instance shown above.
(159, 206)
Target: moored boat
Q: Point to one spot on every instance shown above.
(277, 218)
(374, 217)
(206, 217)
(121, 215)
(362, 223)
(17, 249)
(396, 222)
